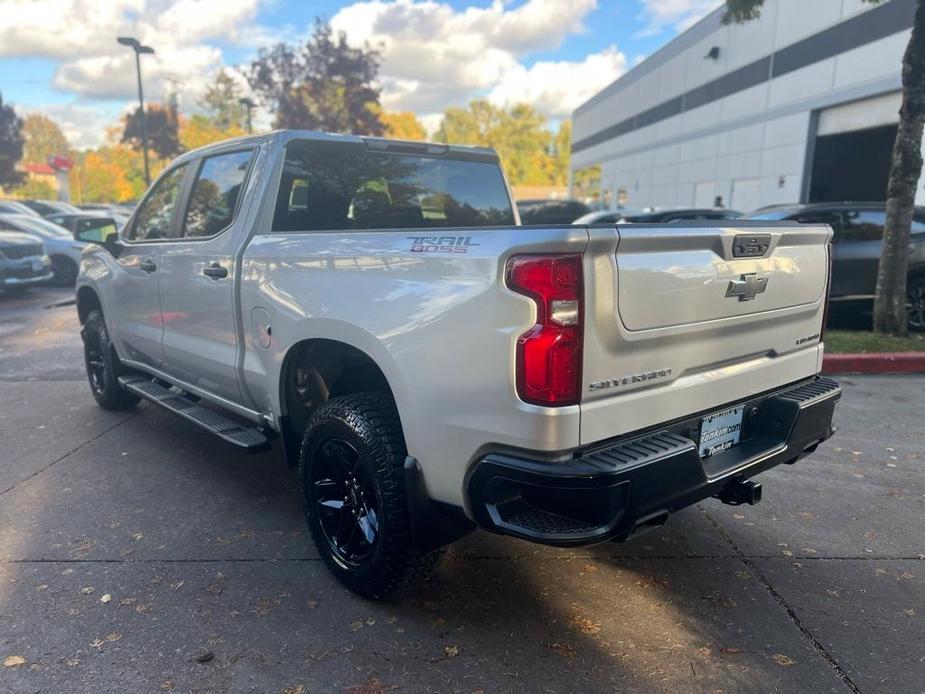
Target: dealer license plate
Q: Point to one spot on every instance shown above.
(720, 431)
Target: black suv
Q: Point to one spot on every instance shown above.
(858, 228)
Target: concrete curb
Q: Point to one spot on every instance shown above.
(878, 363)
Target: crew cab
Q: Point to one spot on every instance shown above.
(430, 365)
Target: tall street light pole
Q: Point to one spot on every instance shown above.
(136, 46)
(249, 105)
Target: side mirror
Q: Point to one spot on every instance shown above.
(102, 231)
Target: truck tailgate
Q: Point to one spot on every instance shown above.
(682, 318)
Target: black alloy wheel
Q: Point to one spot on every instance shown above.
(96, 366)
(915, 304)
(346, 502)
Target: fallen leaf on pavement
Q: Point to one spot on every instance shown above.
(373, 686)
(781, 659)
(13, 661)
(564, 649)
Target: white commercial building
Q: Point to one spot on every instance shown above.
(797, 106)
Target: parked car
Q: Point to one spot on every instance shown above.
(550, 211)
(681, 214)
(23, 262)
(76, 223)
(430, 366)
(605, 216)
(60, 244)
(16, 207)
(856, 247)
(47, 207)
(657, 215)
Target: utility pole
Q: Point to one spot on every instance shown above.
(136, 46)
(250, 106)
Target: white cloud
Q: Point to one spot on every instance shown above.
(84, 125)
(557, 88)
(81, 34)
(676, 14)
(434, 56)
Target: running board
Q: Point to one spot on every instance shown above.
(250, 439)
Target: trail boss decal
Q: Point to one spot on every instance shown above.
(441, 244)
(627, 380)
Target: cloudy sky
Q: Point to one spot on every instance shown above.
(60, 57)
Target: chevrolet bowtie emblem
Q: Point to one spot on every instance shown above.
(747, 287)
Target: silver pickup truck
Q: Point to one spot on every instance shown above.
(431, 366)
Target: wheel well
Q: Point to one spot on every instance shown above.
(314, 371)
(87, 300)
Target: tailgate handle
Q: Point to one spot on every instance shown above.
(750, 245)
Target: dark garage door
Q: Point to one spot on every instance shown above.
(852, 166)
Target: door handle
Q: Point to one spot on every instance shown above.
(147, 265)
(215, 271)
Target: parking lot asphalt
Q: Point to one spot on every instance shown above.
(139, 554)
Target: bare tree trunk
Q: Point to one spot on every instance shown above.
(905, 169)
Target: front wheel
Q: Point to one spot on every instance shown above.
(915, 304)
(351, 468)
(103, 367)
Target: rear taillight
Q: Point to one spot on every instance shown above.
(549, 353)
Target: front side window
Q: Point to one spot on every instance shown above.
(215, 194)
(156, 212)
(338, 186)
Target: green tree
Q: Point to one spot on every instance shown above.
(222, 100)
(518, 134)
(163, 130)
(403, 125)
(562, 153)
(324, 84)
(905, 170)
(11, 145)
(43, 138)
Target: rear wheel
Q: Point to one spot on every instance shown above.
(64, 269)
(103, 367)
(915, 303)
(351, 468)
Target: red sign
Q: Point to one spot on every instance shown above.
(60, 162)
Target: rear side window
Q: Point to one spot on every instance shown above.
(215, 194)
(156, 211)
(337, 186)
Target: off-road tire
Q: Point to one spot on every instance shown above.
(103, 366)
(369, 423)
